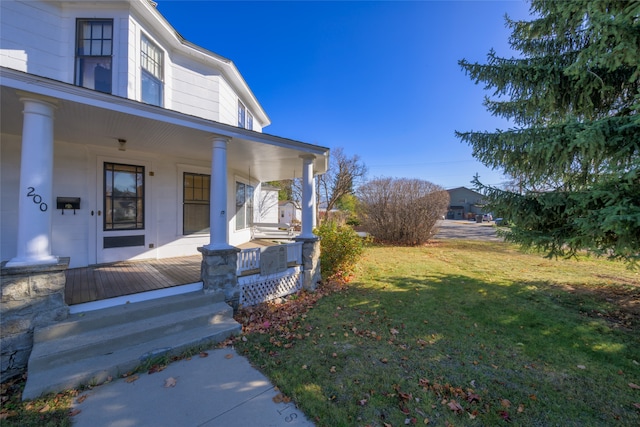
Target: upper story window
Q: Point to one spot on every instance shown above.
(94, 50)
(249, 121)
(242, 112)
(245, 119)
(151, 60)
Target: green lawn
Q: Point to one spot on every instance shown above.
(460, 333)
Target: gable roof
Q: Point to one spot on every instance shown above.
(148, 10)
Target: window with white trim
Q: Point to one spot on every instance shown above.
(152, 70)
(249, 121)
(195, 203)
(244, 205)
(242, 111)
(94, 51)
(245, 118)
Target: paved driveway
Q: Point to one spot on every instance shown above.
(462, 229)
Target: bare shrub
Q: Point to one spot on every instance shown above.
(401, 210)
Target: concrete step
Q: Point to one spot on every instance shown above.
(89, 349)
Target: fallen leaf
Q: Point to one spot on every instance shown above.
(332, 369)
(81, 399)
(362, 402)
(520, 408)
(156, 368)
(45, 408)
(170, 382)
(637, 405)
(426, 420)
(505, 415)
(634, 386)
(472, 397)
(229, 356)
(384, 360)
(278, 398)
(74, 412)
(204, 354)
(505, 403)
(132, 378)
(394, 331)
(304, 366)
(533, 397)
(454, 406)
(581, 367)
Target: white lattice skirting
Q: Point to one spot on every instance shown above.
(255, 289)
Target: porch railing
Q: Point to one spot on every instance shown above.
(249, 259)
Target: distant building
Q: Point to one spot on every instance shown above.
(465, 203)
(289, 213)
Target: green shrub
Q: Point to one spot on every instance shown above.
(340, 249)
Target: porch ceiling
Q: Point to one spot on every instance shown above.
(84, 117)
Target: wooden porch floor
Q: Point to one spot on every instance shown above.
(98, 282)
(102, 281)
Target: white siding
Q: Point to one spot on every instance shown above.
(71, 179)
(39, 38)
(31, 38)
(194, 89)
(9, 185)
(228, 104)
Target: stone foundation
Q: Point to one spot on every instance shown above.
(32, 296)
(218, 273)
(310, 262)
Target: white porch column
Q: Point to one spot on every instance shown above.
(314, 200)
(35, 201)
(308, 191)
(219, 225)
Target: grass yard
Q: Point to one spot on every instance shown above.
(460, 333)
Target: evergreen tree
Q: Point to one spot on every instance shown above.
(573, 95)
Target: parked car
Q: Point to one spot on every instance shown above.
(487, 217)
(500, 222)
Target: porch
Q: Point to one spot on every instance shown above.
(127, 278)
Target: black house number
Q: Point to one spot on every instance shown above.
(37, 199)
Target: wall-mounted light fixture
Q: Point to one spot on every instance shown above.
(122, 144)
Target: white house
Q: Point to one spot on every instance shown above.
(120, 140)
(156, 143)
(289, 212)
(267, 205)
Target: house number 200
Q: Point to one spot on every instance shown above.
(37, 199)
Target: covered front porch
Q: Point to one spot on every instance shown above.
(98, 286)
(61, 141)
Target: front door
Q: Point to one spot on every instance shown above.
(122, 221)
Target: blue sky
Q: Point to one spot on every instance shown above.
(379, 79)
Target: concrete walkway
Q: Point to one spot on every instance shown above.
(222, 389)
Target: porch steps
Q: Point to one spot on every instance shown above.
(88, 348)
